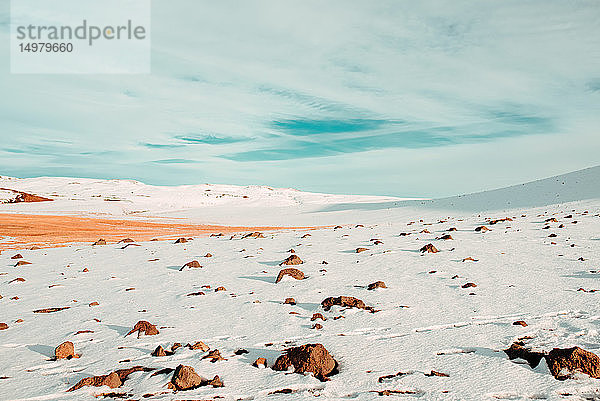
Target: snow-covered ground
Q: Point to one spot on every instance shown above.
(426, 320)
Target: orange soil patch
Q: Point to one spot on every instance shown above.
(25, 197)
(51, 231)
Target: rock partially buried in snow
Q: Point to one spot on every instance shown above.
(112, 380)
(309, 358)
(99, 242)
(144, 327)
(194, 264)
(290, 271)
(255, 234)
(199, 345)
(290, 301)
(429, 248)
(3, 326)
(292, 260)
(359, 250)
(343, 301)
(260, 362)
(65, 350)
(375, 285)
(518, 350)
(482, 229)
(181, 240)
(186, 378)
(564, 362)
(17, 256)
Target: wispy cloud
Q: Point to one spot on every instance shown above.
(248, 93)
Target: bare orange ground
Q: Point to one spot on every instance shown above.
(52, 231)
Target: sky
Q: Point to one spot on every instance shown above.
(399, 98)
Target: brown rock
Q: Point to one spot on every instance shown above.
(309, 358)
(159, 351)
(520, 323)
(429, 248)
(65, 350)
(255, 234)
(482, 229)
(3, 326)
(316, 316)
(186, 378)
(260, 362)
(22, 263)
(215, 382)
(435, 373)
(359, 250)
(470, 259)
(292, 260)
(290, 301)
(99, 242)
(144, 327)
(181, 240)
(194, 264)
(446, 237)
(305, 236)
(85, 270)
(518, 350)
(17, 256)
(50, 310)
(175, 346)
(377, 284)
(199, 345)
(566, 361)
(208, 255)
(220, 289)
(126, 241)
(469, 285)
(343, 301)
(214, 356)
(317, 326)
(94, 303)
(452, 229)
(111, 380)
(290, 271)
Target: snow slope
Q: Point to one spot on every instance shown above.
(426, 320)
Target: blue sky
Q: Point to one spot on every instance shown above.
(389, 97)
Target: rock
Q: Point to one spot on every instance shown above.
(317, 326)
(520, 323)
(337, 227)
(316, 316)
(94, 303)
(359, 250)
(482, 229)
(111, 380)
(496, 221)
(424, 231)
(126, 241)
(290, 301)
(199, 345)
(445, 237)
(304, 236)
(194, 264)
(215, 382)
(159, 351)
(65, 350)
(292, 260)
(309, 358)
(551, 220)
(175, 346)
(343, 301)
(17, 256)
(518, 350)
(438, 374)
(214, 356)
(452, 229)
(144, 327)
(470, 259)
(429, 248)
(255, 234)
(50, 310)
(377, 284)
(186, 378)
(377, 242)
(181, 241)
(292, 251)
(469, 285)
(260, 362)
(208, 255)
(85, 270)
(290, 271)
(220, 289)
(99, 242)
(563, 363)
(3, 326)
(241, 351)
(22, 263)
